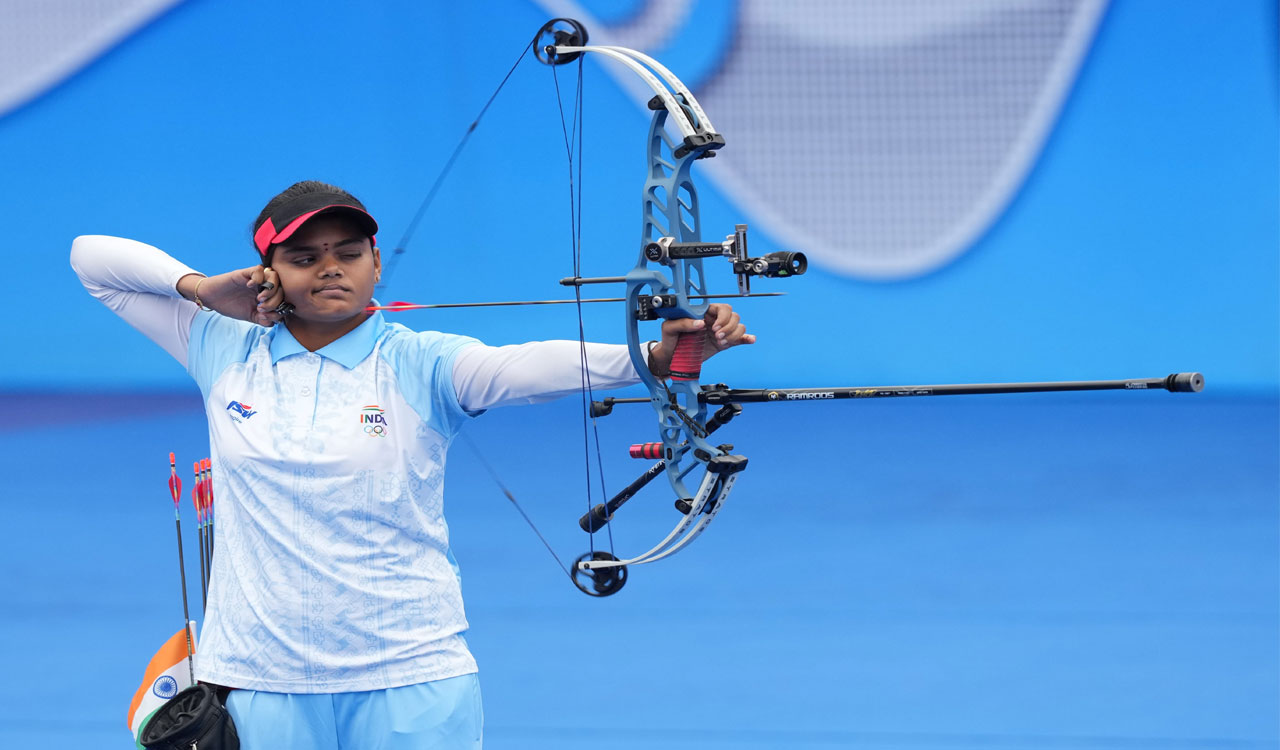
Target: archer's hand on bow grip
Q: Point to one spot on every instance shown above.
(687, 342)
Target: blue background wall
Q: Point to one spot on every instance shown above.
(1144, 241)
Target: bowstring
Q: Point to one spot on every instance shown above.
(502, 486)
(573, 139)
(412, 227)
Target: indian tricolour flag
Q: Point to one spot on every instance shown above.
(166, 675)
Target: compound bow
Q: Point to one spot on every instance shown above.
(668, 282)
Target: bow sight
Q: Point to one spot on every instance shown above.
(774, 265)
(666, 251)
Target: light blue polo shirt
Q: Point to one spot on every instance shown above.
(332, 570)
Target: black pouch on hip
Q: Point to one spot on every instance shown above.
(194, 719)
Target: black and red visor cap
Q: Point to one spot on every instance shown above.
(292, 214)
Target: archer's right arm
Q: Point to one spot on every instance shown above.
(154, 292)
(139, 283)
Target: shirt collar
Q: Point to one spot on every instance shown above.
(348, 351)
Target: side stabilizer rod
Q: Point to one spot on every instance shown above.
(597, 517)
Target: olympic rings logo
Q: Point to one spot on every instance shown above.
(374, 421)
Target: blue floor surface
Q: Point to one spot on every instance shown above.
(978, 572)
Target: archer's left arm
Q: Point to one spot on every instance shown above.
(485, 377)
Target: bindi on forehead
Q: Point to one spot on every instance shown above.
(320, 245)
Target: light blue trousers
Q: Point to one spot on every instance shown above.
(443, 714)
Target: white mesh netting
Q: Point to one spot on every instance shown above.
(43, 41)
(884, 136)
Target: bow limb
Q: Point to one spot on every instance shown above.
(711, 498)
(682, 91)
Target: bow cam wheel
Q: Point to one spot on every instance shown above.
(559, 32)
(599, 581)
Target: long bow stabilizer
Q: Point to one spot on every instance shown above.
(1178, 382)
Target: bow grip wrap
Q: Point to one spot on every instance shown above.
(686, 362)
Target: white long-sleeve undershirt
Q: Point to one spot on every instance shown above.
(138, 282)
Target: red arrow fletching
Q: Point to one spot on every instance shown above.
(196, 500)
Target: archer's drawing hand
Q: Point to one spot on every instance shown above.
(253, 294)
(724, 330)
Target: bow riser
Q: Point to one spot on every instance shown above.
(670, 268)
(670, 209)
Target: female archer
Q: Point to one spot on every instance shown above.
(335, 612)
